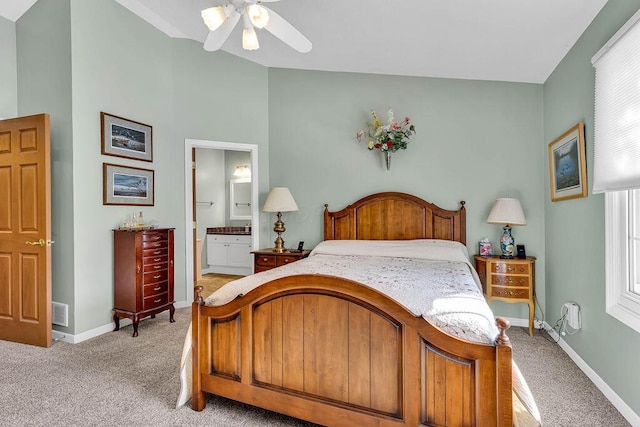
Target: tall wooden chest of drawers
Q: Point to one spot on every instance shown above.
(143, 274)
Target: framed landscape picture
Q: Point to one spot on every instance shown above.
(126, 138)
(567, 165)
(123, 185)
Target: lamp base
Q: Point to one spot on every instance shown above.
(279, 248)
(278, 227)
(506, 243)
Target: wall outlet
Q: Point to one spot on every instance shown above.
(60, 314)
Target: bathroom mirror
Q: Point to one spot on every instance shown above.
(240, 199)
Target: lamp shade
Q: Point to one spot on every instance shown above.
(279, 200)
(250, 39)
(258, 15)
(213, 17)
(507, 211)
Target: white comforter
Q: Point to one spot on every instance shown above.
(431, 278)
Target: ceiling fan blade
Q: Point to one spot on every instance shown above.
(216, 39)
(287, 32)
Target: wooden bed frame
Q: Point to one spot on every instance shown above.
(337, 353)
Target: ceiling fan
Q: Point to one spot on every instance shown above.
(222, 19)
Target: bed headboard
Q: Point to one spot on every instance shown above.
(395, 216)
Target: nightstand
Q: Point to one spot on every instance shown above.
(266, 259)
(510, 280)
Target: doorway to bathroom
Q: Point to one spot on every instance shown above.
(221, 209)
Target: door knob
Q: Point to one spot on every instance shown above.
(41, 242)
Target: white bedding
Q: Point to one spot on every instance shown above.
(431, 278)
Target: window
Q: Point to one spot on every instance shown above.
(622, 218)
(617, 167)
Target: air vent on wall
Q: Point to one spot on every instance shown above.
(60, 314)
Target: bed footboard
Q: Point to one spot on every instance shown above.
(335, 352)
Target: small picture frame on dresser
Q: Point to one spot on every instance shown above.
(521, 254)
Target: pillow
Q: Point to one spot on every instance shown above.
(525, 411)
(446, 250)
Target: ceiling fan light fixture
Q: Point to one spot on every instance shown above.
(213, 17)
(258, 15)
(249, 39)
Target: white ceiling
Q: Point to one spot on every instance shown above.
(504, 40)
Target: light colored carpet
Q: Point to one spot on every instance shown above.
(115, 379)
(564, 394)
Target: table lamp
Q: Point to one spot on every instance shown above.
(506, 212)
(279, 200)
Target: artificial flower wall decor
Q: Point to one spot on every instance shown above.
(387, 138)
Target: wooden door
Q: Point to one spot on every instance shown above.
(25, 231)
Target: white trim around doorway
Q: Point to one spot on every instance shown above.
(189, 144)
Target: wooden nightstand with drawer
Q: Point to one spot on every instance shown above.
(510, 280)
(266, 259)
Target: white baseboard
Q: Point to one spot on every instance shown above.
(608, 392)
(517, 322)
(101, 330)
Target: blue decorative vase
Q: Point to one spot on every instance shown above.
(506, 243)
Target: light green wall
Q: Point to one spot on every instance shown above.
(43, 36)
(8, 69)
(475, 141)
(122, 66)
(139, 73)
(574, 232)
(77, 58)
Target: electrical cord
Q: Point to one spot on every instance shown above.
(565, 328)
(562, 327)
(535, 299)
(555, 327)
(543, 331)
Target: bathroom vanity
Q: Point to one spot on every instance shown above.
(229, 250)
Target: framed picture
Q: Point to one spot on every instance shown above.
(126, 138)
(123, 185)
(567, 165)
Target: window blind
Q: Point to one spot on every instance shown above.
(617, 111)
